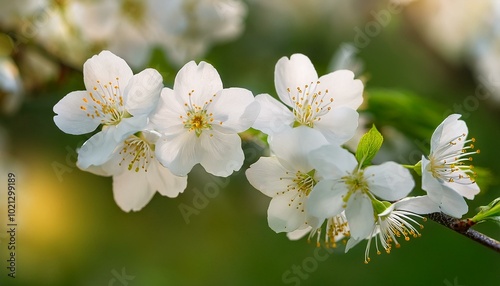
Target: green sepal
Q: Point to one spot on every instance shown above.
(418, 168)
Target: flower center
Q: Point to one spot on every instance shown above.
(301, 183)
(197, 117)
(138, 152)
(309, 104)
(451, 165)
(105, 102)
(336, 229)
(198, 121)
(354, 182)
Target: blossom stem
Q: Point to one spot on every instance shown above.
(463, 226)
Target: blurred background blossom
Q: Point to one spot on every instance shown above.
(419, 60)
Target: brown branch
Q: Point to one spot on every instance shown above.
(463, 226)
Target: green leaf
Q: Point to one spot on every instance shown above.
(489, 212)
(368, 146)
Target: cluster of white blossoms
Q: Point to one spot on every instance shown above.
(149, 137)
(314, 181)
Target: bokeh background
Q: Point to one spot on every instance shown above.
(420, 60)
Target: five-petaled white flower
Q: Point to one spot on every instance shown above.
(288, 178)
(115, 99)
(199, 121)
(447, 175)
(347, 187)
(137, 174)
(327, 104)
(396, 221)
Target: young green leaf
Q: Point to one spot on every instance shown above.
(490, 212)
(368, 146)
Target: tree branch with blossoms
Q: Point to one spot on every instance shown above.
(149, 137)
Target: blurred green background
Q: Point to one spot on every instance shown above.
(71, 232)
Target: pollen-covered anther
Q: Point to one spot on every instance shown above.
(137, 152)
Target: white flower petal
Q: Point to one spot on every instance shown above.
(179, 153)
(222, 153)
(265, 174)
(452, 203)
(110, 168)
(131, 190)
(297, 71)
(352, 243)
(299, 233)
(294, 146)
(235, 108)
(99, 148)
(447, 132)
(468, 190)
(418, 205)
(105, 68)
(332, 161)
(429, 183)
(274, 116)
(389, 181)
(283, 214)
(202, 81)
(71, 118)
(326, 199)
(359, 215)
(343, 88)
(163, 181)
(167, 117)
(142, 92)
(338, 125)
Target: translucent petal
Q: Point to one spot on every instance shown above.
(293, 147)
(162, 180)
(71, 118)
(222, 153)
(332, 161)
(327, 199)
(343, 88)
(338, 125)
(106, 68)
(235, 108)
(297, 71)
(274, 116)
(202, 81)
(178, 153)
(389, 181)
(359, 215)
(131, 190)
(143, 92)
(284, 213)
(265, 174)
(447, 132)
